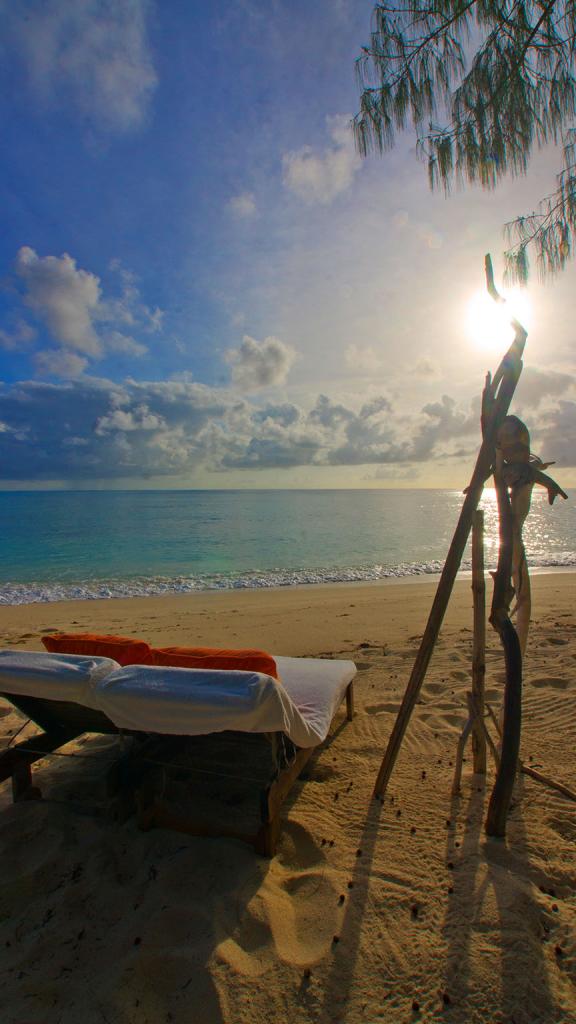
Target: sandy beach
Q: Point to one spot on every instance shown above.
(393, 912)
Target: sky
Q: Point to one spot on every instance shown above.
(202, 284)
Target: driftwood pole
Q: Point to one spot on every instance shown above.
(500, 620)
(496, 399)
(475, 723)
(479, 648)
(515, 474)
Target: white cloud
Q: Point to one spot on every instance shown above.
(20, 336)
(90, 55)
(535, 385)
(63, 296)
(69, 302)
(243, 206)
(59, 363)
(139, 418)
(119, 342)
(260, 364)
(555, 434)
(426, 369)
(365, 359)
(318, 177)
(424, 232)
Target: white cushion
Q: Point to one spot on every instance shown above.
(71, 677)
(192, 702)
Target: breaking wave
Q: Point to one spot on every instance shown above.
(154, 586)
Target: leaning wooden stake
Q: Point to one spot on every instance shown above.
(475, 722)
(496, 399)
(479, 648)
(500, 620)
(470, 724)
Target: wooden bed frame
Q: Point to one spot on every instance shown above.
(129, 785)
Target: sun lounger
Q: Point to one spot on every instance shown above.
(67, 695)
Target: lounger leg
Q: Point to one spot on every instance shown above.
(350, 701)
(22, 788)
(271, 800)
(266, 840)
(15, 761)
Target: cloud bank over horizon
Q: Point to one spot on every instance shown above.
(96, 429)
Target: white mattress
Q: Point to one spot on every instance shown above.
(182, 701)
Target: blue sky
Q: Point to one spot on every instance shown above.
(201, 282)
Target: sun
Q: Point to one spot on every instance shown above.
(488, 322)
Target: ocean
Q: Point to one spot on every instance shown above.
(63, 545)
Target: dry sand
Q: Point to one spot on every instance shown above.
(397, 912)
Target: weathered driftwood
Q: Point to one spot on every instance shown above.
(515, 473)
(479, 644)
(547, 781)
(500, 620)
(496, 398)
(521, 471)
(514, 446)
(475, 722)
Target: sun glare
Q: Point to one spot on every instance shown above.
(488, 322)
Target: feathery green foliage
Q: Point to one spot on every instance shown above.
(501, 76)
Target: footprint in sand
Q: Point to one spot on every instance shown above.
(556, 682)
(565, 827)
(435, 687)
(299, 850)
(290, 915)
(378, 709)
(443, 716)
(302, 915)
(460, 676)
(318, 773)
(493, 695)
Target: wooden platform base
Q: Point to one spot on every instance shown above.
(130, 782)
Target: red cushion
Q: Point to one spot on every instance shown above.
(210, 657)
(123, 649)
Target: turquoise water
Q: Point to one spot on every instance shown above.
(88, 544)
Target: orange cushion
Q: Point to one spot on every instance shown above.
(209, 657)
(123, 649)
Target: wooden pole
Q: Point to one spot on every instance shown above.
(479, 649)
(470, 724)
(500, 620)
(496, 399)
(520, 502)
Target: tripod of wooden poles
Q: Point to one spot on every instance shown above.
(504, 453)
